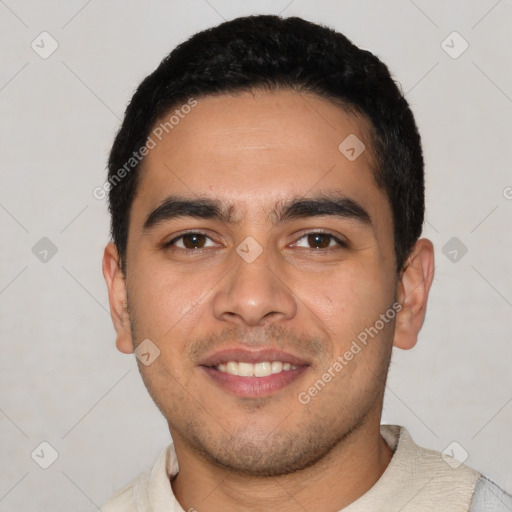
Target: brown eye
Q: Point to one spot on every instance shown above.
(194, 241)
(319, 240)
(191, 241)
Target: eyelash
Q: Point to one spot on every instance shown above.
(341, 243)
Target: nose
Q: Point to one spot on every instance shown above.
(254, 293)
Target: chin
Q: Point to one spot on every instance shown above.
(257, 454)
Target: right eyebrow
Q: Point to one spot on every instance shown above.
(174, 207)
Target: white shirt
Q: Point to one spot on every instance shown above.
(416, 479)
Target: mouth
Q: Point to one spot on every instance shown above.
(259, 370)
(253, 373)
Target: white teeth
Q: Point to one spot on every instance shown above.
(231, 367)
(277, 367)
(245, 369)
(263, 369)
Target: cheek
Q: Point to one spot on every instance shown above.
(349, 301)
(161, 300)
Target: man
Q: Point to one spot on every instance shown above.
(267, 199)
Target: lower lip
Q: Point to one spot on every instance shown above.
(254, 387)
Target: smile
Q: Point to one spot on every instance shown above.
(263, 369)
(253, 373)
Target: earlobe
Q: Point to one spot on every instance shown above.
(412, 293)
(117, 296)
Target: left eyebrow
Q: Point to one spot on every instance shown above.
(284, 211)
(322, 205)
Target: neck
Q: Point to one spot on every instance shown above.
(340, 478)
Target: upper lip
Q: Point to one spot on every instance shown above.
(251, 356)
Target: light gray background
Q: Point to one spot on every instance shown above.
(62, 380)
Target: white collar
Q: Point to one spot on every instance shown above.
(414, 481)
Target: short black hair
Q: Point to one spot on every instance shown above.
(270, 52)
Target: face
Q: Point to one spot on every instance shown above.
(258, 254)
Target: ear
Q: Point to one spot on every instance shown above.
(117, 297)
(412, 293)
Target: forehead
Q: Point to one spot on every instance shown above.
(258, 148)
